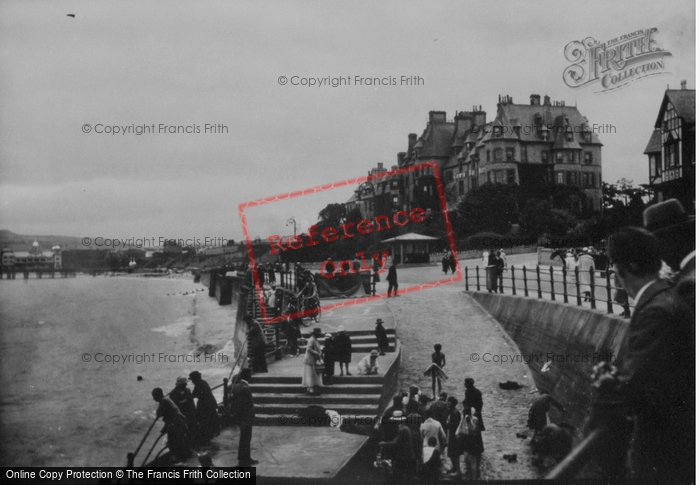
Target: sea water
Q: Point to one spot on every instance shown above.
(71, 395)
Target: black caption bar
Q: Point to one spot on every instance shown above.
(128, 476)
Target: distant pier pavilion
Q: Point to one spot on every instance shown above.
(35, 261)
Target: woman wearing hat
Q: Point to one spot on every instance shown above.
(382, 339)
(310, 379)
(207, 414)
(368, 364)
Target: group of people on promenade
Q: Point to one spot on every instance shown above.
(417, 435)
(187, 425)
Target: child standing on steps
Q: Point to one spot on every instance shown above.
(435, 370)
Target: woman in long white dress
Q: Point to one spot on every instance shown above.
(310, 379)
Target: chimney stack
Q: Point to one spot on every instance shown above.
(534, 100)
(400, 156)
(684, 84)
(547, 101)
(438, 116)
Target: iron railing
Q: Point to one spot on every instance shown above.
(557, 284)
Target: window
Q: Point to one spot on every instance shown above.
(498, 154)
(394, 184)
(569, 135)
(587, 158)
(461, 187)
(560, 178)
(587, 136)
(511, 177)
(523, 154)
(510, 155)
(571, 157)
(545, 156)
(488, 175)
(499, 177)
(497, 131)
(449, 177)
(488, 156)
(560, 156)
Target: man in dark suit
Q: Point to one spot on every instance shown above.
(244, 413)
(658, 367)
(676, 231)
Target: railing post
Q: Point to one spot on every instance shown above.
(578, 288)
(466, 278)
(592, 272)
(512, 277)
(566, 292)
(539, 282)
(226, 391)
(551, 281)
(525, 279)
(478, 286)
(278, 349)
(608, 290)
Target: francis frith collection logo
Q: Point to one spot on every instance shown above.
(616, 63)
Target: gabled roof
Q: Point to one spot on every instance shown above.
(525, 115)
(654, 145)
(437, 140)
(683, 100)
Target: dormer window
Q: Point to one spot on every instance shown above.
(569, 135)
(587, 158)
(587, 136)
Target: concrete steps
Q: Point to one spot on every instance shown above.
(277, 388)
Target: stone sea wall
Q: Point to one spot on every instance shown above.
(572, 339)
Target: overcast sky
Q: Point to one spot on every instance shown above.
(193, 63)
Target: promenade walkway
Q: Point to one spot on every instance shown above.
(469, 337)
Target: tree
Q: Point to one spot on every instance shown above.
(490, 207)
(333, 215)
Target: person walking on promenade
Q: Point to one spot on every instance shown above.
(500, 265)
(435, 369)
(310, 379)
(454, 450)
(445, 261)
(382, 338)
(261, 274)
(256, 342)
(207, 407)
(244, 413)
(504, 258)
(584, 264)
(175, 425)
(393, 280)
(485, 257)
(343, 349)
(537, 416)
(658, 373)
(330, 354)
(271, 274)
(182, 397)
(473, 399)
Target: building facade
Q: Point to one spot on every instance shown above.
(671, 148)
(33, 259)
(535, 144)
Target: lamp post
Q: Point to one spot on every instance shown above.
(364, 185)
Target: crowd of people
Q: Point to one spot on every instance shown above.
(417, 435)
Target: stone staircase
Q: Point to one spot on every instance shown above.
(279, 397)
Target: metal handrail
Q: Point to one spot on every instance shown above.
(475, 277)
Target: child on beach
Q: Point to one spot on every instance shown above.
(435, 370)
